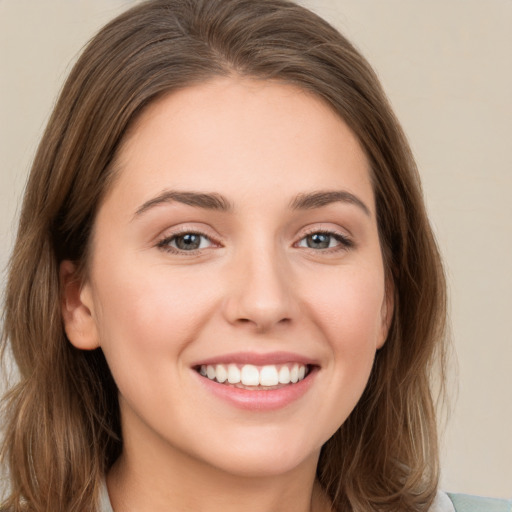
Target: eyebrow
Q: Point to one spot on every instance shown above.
(214, 201)
(322, 198)
(198, 199)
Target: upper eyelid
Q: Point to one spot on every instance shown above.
(176, 234)
(315, 229)
(328, 231)
(343, 239)
(173, 231)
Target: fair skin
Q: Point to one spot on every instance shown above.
(258, 269)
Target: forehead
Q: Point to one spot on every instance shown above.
(227, 131)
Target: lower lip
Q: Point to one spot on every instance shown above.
(259, 400)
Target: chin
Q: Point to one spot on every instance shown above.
(256, 466)
(263, 457)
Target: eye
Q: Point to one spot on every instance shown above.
(185, 242)
(322, 240)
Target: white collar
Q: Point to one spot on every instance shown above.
(104, 502)
(442, 502)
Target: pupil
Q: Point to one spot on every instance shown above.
(188, 242)
(318, 241)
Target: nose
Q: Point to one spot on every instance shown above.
(261, 292)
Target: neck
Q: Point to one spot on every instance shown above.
(133, 493)
(144, 481)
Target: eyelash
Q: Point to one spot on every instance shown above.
(164, 244)
(345, 243)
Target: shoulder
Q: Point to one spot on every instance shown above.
(450, 502)
(442, 503)
(468, 503)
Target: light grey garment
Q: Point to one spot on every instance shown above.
(104, 504)
(442, 502)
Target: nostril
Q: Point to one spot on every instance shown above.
(263, 324)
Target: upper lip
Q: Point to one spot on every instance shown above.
(257, 359)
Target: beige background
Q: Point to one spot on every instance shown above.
(447, 67)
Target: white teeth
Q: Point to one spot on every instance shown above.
(284, 375)
(294, 373)
(269, 376)
(221, 373)
(250, 375)
(233, 374)
(210, 372)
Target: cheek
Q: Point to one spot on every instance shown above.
(148, 317)
(350, 317)
(351, 312)
(147, 313)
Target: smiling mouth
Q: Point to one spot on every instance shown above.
(253, 377)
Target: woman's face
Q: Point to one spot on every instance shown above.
(238, 240)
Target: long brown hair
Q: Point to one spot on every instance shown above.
(62, 426)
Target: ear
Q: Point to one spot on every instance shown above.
(388, 307)
(76, 308)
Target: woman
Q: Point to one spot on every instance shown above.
(225, 291)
